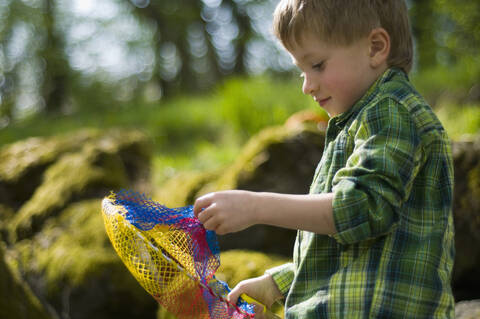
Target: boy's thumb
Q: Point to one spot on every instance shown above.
(233, 295)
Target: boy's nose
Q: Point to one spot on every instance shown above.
(308, 86)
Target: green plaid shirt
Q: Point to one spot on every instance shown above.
(389, 164)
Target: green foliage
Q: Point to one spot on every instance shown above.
(459, 120)
(210, 128)
(204, 132)
(464, 16)
(448, 80)
(249, 105)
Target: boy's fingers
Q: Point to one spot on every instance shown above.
(233, 295)
(206, 213)
(210, 224)
(200, 204)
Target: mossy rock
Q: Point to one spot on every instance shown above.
(279, 159)
(112, 160)
(73, 265)
(182, 189)
(72, 177)
(22, 163)
(237, 265)
(6, 213)
(17, 300)
(466, 208)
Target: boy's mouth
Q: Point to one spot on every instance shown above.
(323, 101)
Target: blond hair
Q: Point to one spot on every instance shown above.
(342, 22)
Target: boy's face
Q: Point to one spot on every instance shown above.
(335, 76)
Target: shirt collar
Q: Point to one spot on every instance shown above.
(368, 96)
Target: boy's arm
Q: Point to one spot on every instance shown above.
(232, 211)
(379, 174)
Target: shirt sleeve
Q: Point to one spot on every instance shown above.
(283, 277)
(377, 178)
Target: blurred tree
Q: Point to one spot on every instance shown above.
(445, 31)
(172, 19)
(460, 34)
(54, 51)
(424, 18)
(9, 65)
(56, 68)
(34, 69)
(197, 42)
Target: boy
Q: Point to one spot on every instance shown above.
(375, 235)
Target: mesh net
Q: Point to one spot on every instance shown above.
(171, 255)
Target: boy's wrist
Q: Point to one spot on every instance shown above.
(276, 293)
(258, 207)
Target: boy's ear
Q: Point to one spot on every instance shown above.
(379, 46)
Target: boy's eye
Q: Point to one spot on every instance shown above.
(318, 66)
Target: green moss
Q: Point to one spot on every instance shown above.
(162, 313)
(6, 213)
(184, 187)
(16, 298)
(474, 187)
(16, 159)
(73, 258)
(252, 155)
(78, 246)
(69, 249)
(69, 178)
(181, 189)
(460, 121)
(237, 265)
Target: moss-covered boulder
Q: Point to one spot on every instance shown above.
(16, 298)
(466, 277)
(53, 227)
(279, 159)
(103, 162)
(6, 214)
(183, 188)
(22, 164)
(73, 265)
(237, 265)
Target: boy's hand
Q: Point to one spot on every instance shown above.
(261, 288)
(227, 211)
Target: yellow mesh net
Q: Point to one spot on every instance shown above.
(171, 255)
